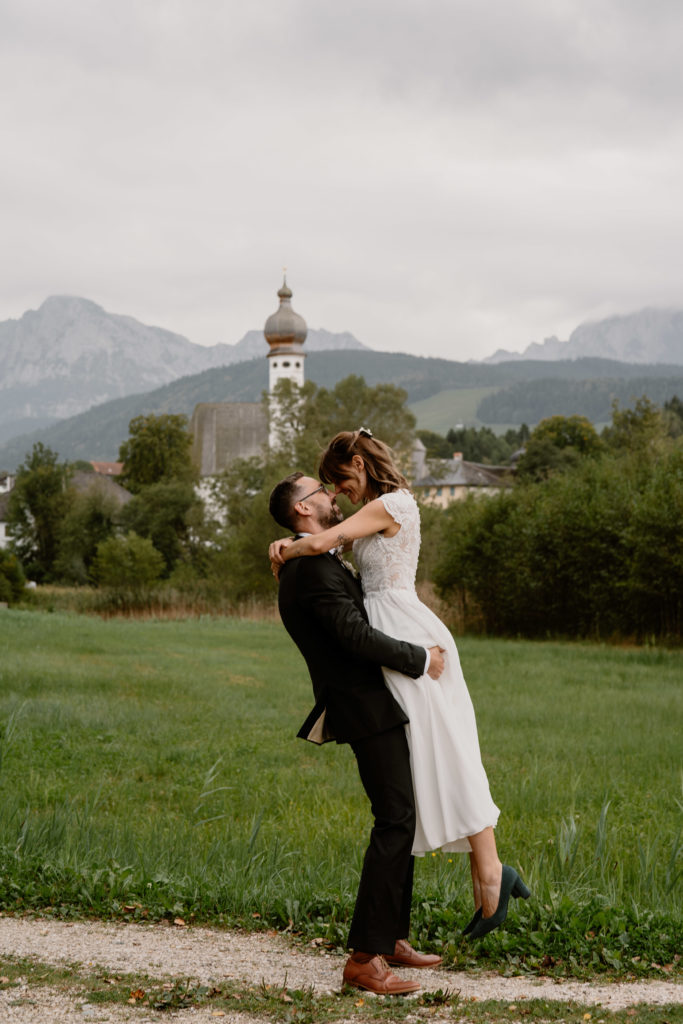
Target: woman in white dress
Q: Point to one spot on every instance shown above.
(454, 806)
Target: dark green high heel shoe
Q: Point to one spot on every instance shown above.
(510, 885)
(468, 928)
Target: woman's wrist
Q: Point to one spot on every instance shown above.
(288, 548)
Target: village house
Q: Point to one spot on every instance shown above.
(101, 483)
(107, 468)
(4, 504)
(6, 485)
(442, 481)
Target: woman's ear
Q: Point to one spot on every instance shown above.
(358, 463)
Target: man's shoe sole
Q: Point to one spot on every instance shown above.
(395, 962)
(393, 992)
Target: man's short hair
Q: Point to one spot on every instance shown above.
(283, 500)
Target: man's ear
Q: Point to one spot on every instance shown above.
(303, 511)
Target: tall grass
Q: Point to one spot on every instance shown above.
(149, 768)
(162, 602)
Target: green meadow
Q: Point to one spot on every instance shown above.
(149, 769)
(447, 408)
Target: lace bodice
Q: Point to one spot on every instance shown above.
(390, 563)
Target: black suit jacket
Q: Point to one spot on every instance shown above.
(321, 604)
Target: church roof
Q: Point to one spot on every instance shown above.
(285, 328)
(458, 472)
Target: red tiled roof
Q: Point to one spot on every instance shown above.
(108, 468)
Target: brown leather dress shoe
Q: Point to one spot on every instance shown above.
(406, 956)
(370, 972)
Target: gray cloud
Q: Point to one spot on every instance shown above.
(441, 177)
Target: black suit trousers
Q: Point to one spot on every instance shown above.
(382, 912)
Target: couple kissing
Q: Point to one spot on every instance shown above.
(401, 705)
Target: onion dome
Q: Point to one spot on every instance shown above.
(285, 329)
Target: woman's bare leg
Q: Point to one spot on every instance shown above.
(476, 887)
(489, 870)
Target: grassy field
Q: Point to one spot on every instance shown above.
(452, 406)
(151, 769)
(447, 408)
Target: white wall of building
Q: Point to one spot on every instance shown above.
(282, 366)
(285, 366)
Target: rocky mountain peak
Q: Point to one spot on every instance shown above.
(648, 336)
(70, 354)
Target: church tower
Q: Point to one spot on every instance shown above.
(285, 332)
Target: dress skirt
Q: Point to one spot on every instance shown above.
(451, 788)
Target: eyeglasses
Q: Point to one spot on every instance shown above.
(307, 496)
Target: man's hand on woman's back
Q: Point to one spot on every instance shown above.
(436, 662)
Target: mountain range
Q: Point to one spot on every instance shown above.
(649, 336)
(71, 354)
(98, 432)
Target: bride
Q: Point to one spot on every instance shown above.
(455, 810)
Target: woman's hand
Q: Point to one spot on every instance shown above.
(276, 556)
(276, 548)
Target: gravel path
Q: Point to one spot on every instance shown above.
(206, 954)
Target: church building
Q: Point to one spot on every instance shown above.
(224, 431)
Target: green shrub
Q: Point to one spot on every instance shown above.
(12, 579)
(596, 550)
(129, 566)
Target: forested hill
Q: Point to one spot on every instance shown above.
(97, 433)
(531, 401)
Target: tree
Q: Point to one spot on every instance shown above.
(12, 579)
(309, 417)
(159, 448)
(436, 445)
(91, 518)
(161, 512)
(568, 432)
(557, 444)
(672, 412)
(37, 507)
(517, 437)
(548, 558)
(477, 444)
(234, 562)
(637, 429)
(483, 445)
(542, 459)
(655, 545)
(130, 566)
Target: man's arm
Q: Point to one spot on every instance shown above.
(324, 595)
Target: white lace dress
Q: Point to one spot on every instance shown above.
(451, 789)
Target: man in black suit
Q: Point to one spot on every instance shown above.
(321, 606)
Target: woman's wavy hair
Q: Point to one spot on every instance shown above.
(383, 475)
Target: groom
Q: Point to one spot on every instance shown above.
(321, 606)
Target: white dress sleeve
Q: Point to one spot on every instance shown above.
(400, 505)
(388, 563)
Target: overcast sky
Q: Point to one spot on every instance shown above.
(441, 177)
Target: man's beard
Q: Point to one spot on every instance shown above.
(331, 518)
